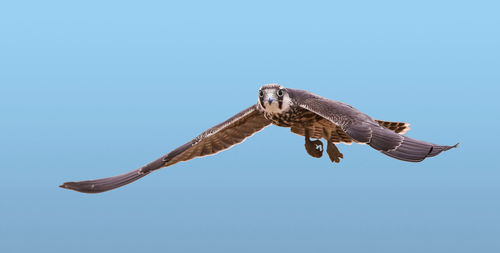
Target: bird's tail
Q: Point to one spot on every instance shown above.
(110, 183)
(398, 127)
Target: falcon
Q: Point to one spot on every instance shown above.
(306, 114)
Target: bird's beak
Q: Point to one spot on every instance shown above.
(270, 100)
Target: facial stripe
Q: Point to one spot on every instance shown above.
(261, 99)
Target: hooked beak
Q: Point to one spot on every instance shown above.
(270, 100)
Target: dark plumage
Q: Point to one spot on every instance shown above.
(306, 114)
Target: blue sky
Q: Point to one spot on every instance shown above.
(93, 89)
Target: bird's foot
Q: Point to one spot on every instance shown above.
(314, 148)
(333, 152)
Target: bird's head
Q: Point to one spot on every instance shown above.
(274, 98)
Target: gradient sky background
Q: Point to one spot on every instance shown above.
(92, 89)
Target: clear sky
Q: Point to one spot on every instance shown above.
(91, 89)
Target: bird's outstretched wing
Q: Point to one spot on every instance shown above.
(216, 139)
(363, 129)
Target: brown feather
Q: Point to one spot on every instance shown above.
(398, 127)
(218, 138)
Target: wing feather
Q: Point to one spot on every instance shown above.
(216, 139)
(363, 129)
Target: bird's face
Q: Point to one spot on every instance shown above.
(274, 98)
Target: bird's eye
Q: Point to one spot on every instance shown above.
(280, 93)
(261, 94)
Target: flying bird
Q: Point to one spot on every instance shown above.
(306, 114)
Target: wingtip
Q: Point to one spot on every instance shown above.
(446, 148)
(66, 185)
(82, 187)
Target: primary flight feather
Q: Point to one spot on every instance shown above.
(306, 114)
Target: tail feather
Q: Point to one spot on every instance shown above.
(398, 127)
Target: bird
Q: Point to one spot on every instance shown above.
(306, 114)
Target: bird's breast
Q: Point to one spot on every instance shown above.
(292, 118)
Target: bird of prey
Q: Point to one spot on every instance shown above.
(306, 114)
